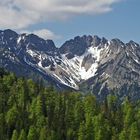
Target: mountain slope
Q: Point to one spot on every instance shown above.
(87, 63)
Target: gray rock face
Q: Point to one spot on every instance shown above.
(77, 46)
(118, 70)
(22, 53)
(87, 63)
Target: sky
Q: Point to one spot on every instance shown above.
(61, 20)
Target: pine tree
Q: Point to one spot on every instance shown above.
(32, 134)
(134, 132)
(89, 128)
(14, 135)
(100, 130)
(43, 134)
(22, 135)
(123, 135)
(70, 134)
(81, 133)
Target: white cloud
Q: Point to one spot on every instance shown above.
(20, 14)
(46, 34)
(43, 33)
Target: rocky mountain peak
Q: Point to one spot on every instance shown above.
(117, 42)
(76, 46)
(33, 42)
(133, 43)
(104, 40)
(96, 41)
(10, 33)
(79, 45)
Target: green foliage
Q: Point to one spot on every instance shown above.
(43, 134)
(32, 133)
(32, 112)
(22, 135)
(134, 132)
(15, 135)
(81, 133)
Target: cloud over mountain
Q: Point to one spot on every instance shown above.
(43, 33)
(20, 14)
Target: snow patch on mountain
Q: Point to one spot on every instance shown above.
(86, 74)
(69, 71)
(75, 68)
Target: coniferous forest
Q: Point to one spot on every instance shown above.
(29, 111)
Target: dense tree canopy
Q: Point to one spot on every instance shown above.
(31, 112)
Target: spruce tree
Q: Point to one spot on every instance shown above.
(14, 135)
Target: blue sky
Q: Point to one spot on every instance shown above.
(110, 18)
(122, 22)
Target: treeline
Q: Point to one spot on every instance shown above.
(28, 111)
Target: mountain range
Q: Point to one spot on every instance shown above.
(88, 64)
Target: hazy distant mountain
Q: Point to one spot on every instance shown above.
(87, 63)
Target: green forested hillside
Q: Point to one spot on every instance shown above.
(31, 112)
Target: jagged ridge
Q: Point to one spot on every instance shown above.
(89, 63)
